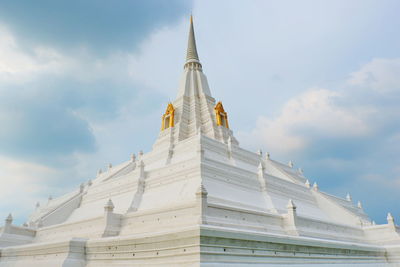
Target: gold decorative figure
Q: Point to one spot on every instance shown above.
(168, 117)
(221, 115)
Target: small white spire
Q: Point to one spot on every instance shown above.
(191, 54)
(390, 219)
(307, 183)
(9, 219)
(290, 164)
(348, 197)
(267, 155)
(140, 154)
(109, 207)
(99, 172)
(359, 205)
(315, 186)
(259, 152)
(133, 157)
(373, 223)
(300, 171)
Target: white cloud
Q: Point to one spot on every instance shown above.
(22, 185)
(17, 65)
(382, 180)
(381, 74)
(313, 113)
(326, 113)
(160, 58)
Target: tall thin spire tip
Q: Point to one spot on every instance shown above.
(191, 54)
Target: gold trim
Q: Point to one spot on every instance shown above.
(221, 115)
(169, 113)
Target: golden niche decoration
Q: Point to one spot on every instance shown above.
(221, 115)
(168, 117)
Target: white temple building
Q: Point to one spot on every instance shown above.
(199, 199)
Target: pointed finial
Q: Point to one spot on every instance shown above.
(291, 205)
(307, 183)
(141, 164)
(291, 164)
(133, 157)
(191, 54)
(300, 171)
(140, 154)
(259, 152)
(315, 186)
(267, 156)
(109, 207)
(9, 219)
(348, 197)
(359, 205)
(390, 219)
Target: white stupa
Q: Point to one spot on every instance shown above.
(199, 199)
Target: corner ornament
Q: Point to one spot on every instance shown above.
(221, 115)
(168, 117)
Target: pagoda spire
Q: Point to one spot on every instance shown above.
(195, 110)
(191, 53)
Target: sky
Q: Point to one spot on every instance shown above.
(84, 83)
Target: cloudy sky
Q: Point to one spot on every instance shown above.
(83, 84)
